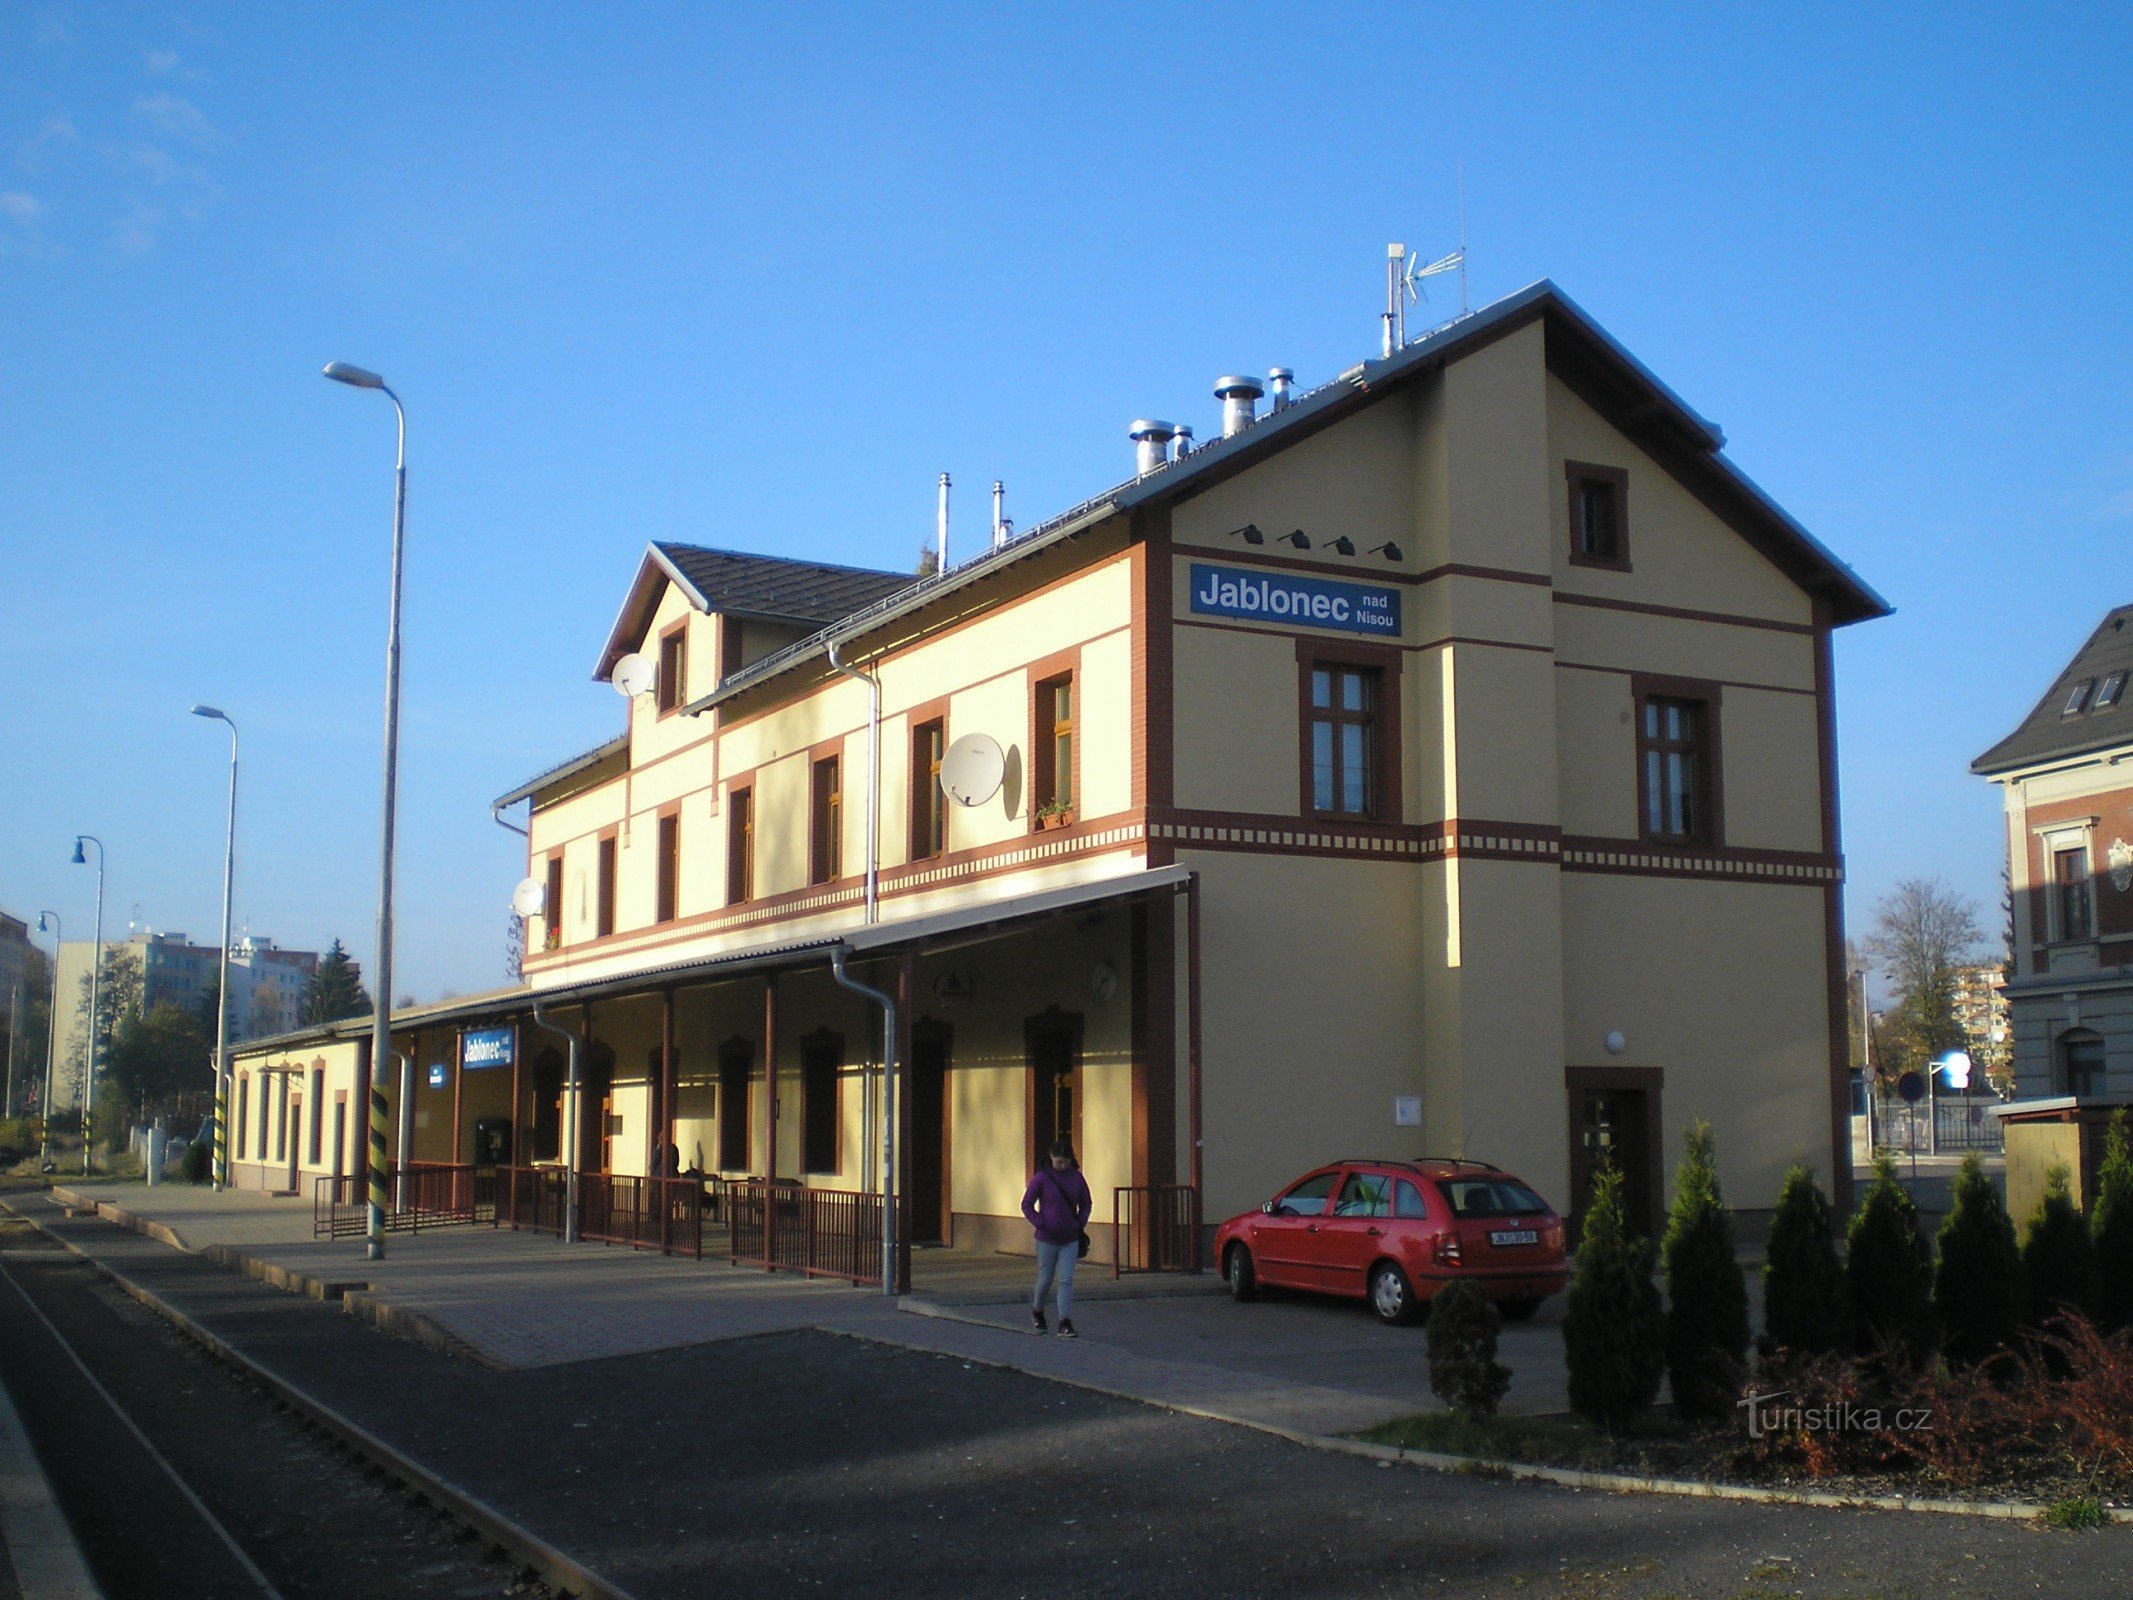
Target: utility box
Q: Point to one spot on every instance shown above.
(2042, 1134)
(492, 1141)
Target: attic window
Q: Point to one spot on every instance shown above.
(673, 669)
(2078, 699)
(2107, 694)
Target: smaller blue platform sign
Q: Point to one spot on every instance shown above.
(487, 1047)
(1371, 609)
(437, 1071)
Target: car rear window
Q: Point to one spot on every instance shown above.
(1407, 1201)
(1490, 1197)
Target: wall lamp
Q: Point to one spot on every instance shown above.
(1297, 537)
(1390, 550)
(1343, 546)
(1249, 533)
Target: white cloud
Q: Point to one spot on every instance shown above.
(177, 117)
(162, 61)
(138, 230)
(21, 224)
(19, 207)
(55, 133)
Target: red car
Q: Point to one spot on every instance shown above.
(1395, 1232)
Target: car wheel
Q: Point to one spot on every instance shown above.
(1243, 1281)
(1519, 1310)
(1392, 1297)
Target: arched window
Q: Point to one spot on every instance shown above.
(2078, 1063)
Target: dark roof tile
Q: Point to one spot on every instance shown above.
(778, 587)
(2047, 733)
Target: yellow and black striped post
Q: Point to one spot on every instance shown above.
(222, 1135)
(375, 1230)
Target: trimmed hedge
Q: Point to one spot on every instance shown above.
(2058, 1258)
(1706, 1295)
(1804, 1306)
(1463, 1370)
(1614, 1332)
(1888, 1272)
(1977, 1289)
(2111, 1228)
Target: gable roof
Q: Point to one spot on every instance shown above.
(2047, 733)
(740, 584)
(1619, 385)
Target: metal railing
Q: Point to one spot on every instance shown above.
(1957, 1122)
(419, 1195)
(1155, 1228)
(663, 1214)
(822, 1233)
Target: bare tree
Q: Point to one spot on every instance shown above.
(1923, 930)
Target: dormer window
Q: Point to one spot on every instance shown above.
(2109, 690)
(1599, 515)
(2077, 698)
(673, 669)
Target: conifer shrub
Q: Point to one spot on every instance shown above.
(1977, 1288)
(1888, 1273)
(2058, 1257)
(1614, 1332)
(1463, 1370)
(195, 1166)
(1804, 1309)
(1706, 1295)
(2111, 1228)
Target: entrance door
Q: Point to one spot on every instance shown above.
(928, 1177)
(1054, 1044)
(296, 1135)
(340, 1137)
(1614, 1118)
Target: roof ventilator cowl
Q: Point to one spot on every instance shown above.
(1283, 381)
(1240, 400)
(1153, 438)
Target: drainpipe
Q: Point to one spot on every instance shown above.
(406, 1135)
(570, 1131)
(496, 815)
(888, 1113)
(873, 894)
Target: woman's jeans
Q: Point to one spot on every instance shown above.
(1057, 1260)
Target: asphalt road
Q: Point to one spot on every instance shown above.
(811, 1463)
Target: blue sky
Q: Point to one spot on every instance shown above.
(755, 276)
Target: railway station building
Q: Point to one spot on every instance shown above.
(1441, 760)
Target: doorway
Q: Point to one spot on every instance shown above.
(1053, 1041)
(932, 1221)
(340, 1137)
(296, 1137)
(1614, 1119)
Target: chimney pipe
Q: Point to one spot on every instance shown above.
(941, 563)
(999, 523)
(1183, 447)
(1240, 398)
(1154, 440)
(1282, 379)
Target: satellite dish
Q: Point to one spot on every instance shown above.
(634, 675)
(530, 898)
(972, 768)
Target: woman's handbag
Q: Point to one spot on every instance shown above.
(1083, 1253)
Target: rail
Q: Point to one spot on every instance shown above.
(419, 1195)
(663, 1214)
(1156, 1228)
(821, 1233)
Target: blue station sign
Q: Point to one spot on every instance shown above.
(487, 1047)
(1371, 609)
(437, 1074)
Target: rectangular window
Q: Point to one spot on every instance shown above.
(821, 1055)
(318, 1114)
(825, 823)
(552, 906)
(2108, 691)
(1674, 752)
(1053, 795)
(673, 670)
(604, 907)
(929, 817)
(733, 1103)
(244, 1104)
(740, 846)
(2070, 891)
(670, 867)
(1599, 515)
(2077, 698)
(1344, 740)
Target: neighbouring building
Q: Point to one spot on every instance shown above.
(1981, 1012)
(1441, 760)
(2068, 794)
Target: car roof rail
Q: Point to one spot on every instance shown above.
(1458, 1161)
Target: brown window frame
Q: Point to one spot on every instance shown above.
(552, 904)
(1048, 794)
(825, 819)
(1067, 1027)
(671, 691)
(318, 1115)
(1709, 829)
(1383, 721)
(929, 810)
(2072, 893)
(1615, 482)
(244, 1109)
(740, 844)
(821, 1075)
(666, 892)
(606, 872)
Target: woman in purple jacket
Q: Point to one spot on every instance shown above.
(1057, 1205)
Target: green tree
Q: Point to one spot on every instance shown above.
(1706, 1296)
(1614, 1332)
(29, 1035)
(1803, 1280)
(2058, 1257)
(118, 995)
(2111, 1228)
(1888, 1271)
(1977, 1288)
(1922, 932)
(1463, 1370)
(157, 1054)
(336, 991)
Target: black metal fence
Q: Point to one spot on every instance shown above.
(823, 1233)
(417, 1196)
(1954, 1123)
(1157, 1228)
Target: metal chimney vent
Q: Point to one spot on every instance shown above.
(1154, 440)
(1240, 399)
(1283, 380)
(1183, 447)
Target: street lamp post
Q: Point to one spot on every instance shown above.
(221, 1145)
(51, 1038)
(96, 968)
(381, 1017)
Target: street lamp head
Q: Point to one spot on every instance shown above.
(355, 377)
(211, 712)
(80, 860)
(45, 920)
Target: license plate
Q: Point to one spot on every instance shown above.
(1513, 1236)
